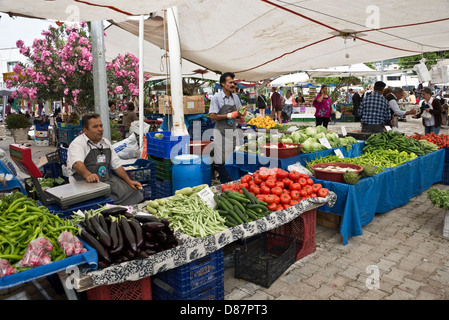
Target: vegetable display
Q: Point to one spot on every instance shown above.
(22, 225)
(439, 198)
(440, 140)
(263, 122)
(308, 138)
(119, 236)
(395, 141)
(238, 208)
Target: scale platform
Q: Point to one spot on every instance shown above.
(77, 192)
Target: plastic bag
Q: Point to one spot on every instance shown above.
(300, 168)
(70, 244)
(135, 128)
(37, 253)
(127, 148)
(6, 269)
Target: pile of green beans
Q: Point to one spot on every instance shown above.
(191, 216)
(23, 222)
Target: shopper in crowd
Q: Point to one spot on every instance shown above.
(90, 157)
(223, 110)
(261, 104)
(129, 116)
(356, 101)
(432, 106)
(393, 96)
(300, 98)
(276, 105)
(112, 110)
(412, 97)
(288, 106)
(135, 101)
(323, 106)
(349, 95)
(375, 110)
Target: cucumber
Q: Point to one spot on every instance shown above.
(238, 204)
(235, 216)
(257, 206)
(249, 195)
(241, 214)
(251, 214)
(232, 220)
(226, 202)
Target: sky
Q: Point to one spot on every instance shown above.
(13, 29)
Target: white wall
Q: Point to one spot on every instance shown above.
(9, 55)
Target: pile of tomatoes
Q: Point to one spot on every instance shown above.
(280, 189)
(441, 140)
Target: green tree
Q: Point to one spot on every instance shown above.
(431, 59)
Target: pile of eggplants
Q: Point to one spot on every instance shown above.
(120, 236)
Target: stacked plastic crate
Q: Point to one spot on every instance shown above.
(446, 167)
(143, 171)
(41, 137)
(202, 279)
(161, 148)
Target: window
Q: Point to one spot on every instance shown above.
(11, 65)
(393, 78)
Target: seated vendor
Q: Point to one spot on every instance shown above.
(90, 157)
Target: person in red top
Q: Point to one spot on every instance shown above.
(323, 106)
(276, 104)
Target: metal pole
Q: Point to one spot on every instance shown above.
(141, 81)
(100, 78)
(174, 46)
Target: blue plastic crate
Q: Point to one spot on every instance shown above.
(41, 126)
(63, 153)
(163, 189)
(446, 154)
(148, 191)
(194, 274)
(84, 206)
(162, 148)
(52, 170)
(144, 170)
(212, 290)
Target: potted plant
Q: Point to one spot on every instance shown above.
(19, 126)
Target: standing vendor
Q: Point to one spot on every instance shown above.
(223, 110)
(90, 157)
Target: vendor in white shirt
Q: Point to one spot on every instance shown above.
(393, 100)
(90, 157)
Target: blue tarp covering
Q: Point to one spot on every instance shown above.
(357, 204)
(188, 118)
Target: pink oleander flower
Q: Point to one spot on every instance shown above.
(20, 43)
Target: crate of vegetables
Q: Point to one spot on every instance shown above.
(164, 145)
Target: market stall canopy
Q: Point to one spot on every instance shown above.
(291, 80)
(155, 62)
(356, 70)
(265, 39)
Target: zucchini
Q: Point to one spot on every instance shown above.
(153, 204)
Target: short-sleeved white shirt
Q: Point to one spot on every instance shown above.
(79, 149)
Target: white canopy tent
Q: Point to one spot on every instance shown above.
(293, 79)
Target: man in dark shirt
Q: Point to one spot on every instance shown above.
(356, 101)
(375, 110)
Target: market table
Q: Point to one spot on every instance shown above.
(192, 249)
(392, 188)
(240, 163)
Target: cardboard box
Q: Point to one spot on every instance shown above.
(328, 219)
(192, 105)
(42, 142)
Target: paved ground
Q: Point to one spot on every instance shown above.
(405, 248)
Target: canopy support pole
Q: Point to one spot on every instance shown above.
(100, 78)
(141, 81)
(174, 46)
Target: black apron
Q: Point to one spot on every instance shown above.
(97, 161)
(224, 147)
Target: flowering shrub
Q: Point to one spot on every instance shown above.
(61, 68)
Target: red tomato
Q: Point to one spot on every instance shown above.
(251, 182)
(281, 174)
(302, 182)
(294, 175)
(264, 183)
(303, 193)
(271, 183)
(293, 202)
(246, 179)
(224, 187)
(323, 192)
(276, 190)
(272, 207)
(287, 205)
(286, 182)
(303, 175)
(285, 198)
(254, 189)
(258, 180)
(279, 207)
(277, 199)
(260, 197)
(295, 186)
(316, 187)
(294, 194)
(265, 190)
(310, 182)
(244, 185)
(280, 184)
(313, 195)
(269, 198)
(264, 174)
(285, 191)
(309, 189)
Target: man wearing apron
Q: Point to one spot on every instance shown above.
(90, 157)
(223, 110)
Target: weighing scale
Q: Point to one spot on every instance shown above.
(64, 196)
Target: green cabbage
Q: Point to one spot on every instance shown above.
(287, 139)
